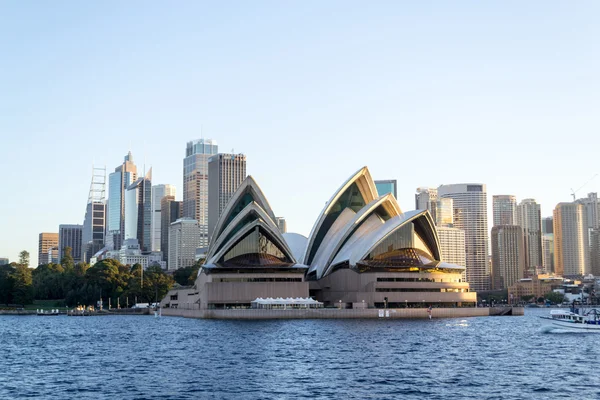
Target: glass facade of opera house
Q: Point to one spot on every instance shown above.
(363, 251)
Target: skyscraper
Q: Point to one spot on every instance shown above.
(46, 242)
(118, 182)
(184, 238)
(470, 202)
(505, 209)
(226, 172)
(592, 210)
(70, 236)
(452, 245)
(171, 211)
(530, 219)
(387, 186)
(281, 224)
(158, 192)
(571, 243)
(195, 182)
(4, 261)
(508, 255)
(138, 211)
(94, 223)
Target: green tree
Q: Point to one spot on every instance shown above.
(48, 282)
(7, 283)
(555, 297)
(527, 297)
(24, 258)
(23, 287)
(186, 276)
(67, 259)
(156, 284)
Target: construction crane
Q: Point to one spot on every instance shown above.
(573, 192)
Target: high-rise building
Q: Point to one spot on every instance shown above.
(592, 209)
(138, 211)
(118, 182)
(530, 219)
(4, 261)
(53, 255)
(547, 226)
(94, 223)
(595, 251)
(185, 237)
(171, 211)
(548, 252)
(70, 236)
(195, 182)
(470, 204)
(452, 245)
(508, 255)
(505, 209)
(424, 198)
(158, 192)
(443, 211)
(281, 224)
(387, 186)
(571, 243)
(226, 172)
(45, 243)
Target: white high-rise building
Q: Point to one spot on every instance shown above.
(571, 242)
(138, 211)
(529, 218)
(158, 192)
(118, 182)
(226, 172)
(195, 182)
(185, 236)
(452, 244)
(424, 198)
(505, 209)
(592, 209)
(470, 205)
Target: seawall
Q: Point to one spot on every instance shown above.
(332, 313)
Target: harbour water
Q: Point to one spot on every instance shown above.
(140, 357)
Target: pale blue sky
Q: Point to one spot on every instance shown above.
(504, 93)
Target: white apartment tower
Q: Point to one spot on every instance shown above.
(505, 209)
(470, 204)
(158, 192)
(185, 236)
(571, 243)
(226, 172)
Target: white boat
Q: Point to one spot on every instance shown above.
(572, 320)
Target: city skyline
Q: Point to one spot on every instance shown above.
(445, 81)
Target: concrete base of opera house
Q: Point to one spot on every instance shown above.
(333, 313)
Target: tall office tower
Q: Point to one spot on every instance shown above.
(452, 244)
(592, 209)
(595, 251)
(444, 212)
(387, 186)
(118, 182)
(530, 219)
(226, 172)
(46, 242)
(547, 226)
(4, 261)
(470, 203)
(548, 252)
(425, 199)
(508, 255)
(171, 211)
(158, 192)
(53, 255)
(70, 236)
(281, 224)
(185, 236)
(94, 223)
(138, 211)
(195, 182)
(505, 209)
(571, 243)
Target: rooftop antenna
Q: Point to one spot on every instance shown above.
(573, 192)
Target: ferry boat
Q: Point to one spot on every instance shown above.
(572, 320)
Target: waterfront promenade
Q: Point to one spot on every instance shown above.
(334, 313)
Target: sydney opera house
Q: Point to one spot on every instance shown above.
(362, 252)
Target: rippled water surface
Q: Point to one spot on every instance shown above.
(138, 357)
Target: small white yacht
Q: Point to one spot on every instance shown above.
(572, 320)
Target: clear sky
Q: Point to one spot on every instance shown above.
(505, 93)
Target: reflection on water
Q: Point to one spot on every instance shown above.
(174, 358)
